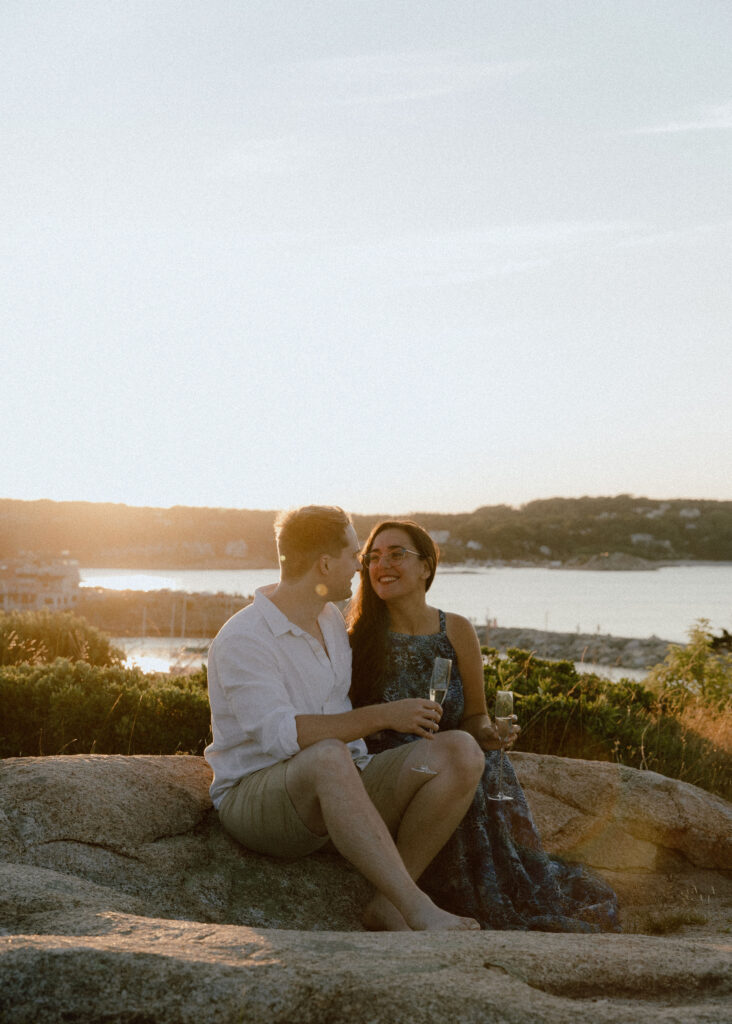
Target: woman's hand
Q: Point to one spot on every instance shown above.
(486, 734)
(415, 715)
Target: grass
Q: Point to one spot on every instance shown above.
(666, 922)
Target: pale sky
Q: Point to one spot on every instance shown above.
(403, 255)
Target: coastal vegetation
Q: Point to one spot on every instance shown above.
(40, 637)
(678, 722)
(68, 707)
(566, 530)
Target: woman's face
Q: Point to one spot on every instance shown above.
(390, 580)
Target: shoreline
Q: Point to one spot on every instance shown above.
(589, 652)
(601, 649)
(589, 564)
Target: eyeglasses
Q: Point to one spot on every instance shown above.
(395, 555)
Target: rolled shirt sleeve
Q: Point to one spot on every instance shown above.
(258, 699)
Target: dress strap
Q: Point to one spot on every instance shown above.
(443, 621)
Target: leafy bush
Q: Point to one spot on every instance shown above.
(679, 725)
(570, 714)
(77, 708)
(39, 637)
(696, 671)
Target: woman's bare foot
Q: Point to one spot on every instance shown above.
(424, 916)
(382, 916)
(435, 919)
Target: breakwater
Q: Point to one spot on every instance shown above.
(178, 614)
(597, 648)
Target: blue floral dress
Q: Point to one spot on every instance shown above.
(493, 868)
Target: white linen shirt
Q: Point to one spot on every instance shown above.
(263, 670)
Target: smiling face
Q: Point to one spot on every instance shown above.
(389, 580)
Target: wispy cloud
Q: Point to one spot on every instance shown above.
(473, 256)
(690, 235)
(705, 119)
(401, 77)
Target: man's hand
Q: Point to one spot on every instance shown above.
(418, 716)
(415, 715)
(486, 734)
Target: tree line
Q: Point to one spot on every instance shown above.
(554, 529)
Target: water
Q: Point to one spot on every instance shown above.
(663, 602)
(161, 653)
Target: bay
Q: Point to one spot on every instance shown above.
(664, 602)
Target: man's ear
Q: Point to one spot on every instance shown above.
(324, 564)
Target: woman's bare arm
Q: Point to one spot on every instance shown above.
(475, 720)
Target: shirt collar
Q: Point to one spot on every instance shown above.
(275, 619)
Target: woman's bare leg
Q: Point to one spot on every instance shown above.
(433, 807)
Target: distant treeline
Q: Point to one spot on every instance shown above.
(559, 529)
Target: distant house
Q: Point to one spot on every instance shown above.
(440, 536)
(649, 540)
(641, 538)
(29, 585)
(237, 549)
(654, 513)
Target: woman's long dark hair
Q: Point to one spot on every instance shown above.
(368, 617)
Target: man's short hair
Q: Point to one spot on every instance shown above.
(304, 534)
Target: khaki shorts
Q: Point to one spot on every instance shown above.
(259, 814)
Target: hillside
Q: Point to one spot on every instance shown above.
(555, 529)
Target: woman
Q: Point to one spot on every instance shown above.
(493, 868)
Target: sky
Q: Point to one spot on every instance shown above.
(399, 256)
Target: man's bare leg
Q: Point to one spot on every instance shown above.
(329, 796)
(431, 808)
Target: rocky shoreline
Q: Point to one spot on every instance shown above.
(182, 616)
(595, 648)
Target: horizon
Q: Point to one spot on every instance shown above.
(404, 255)
(381, 512)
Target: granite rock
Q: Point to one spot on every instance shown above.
(122, 900)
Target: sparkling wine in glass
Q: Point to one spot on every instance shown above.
(503, 716)
(438, 690)
(440, 679)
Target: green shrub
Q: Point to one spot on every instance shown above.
(695, 671)
(39, 637)
(77, 708)
(570, 714)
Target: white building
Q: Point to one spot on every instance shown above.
(237, 549)
(440, 536)
(32, 586)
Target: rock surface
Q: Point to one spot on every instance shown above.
(121, 899)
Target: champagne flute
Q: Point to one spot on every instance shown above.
(438, 691)
(440, 679)
(503, 716)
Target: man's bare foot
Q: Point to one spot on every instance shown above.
(382, 916)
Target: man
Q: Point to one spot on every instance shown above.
(291, 771)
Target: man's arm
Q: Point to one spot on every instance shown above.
(263, 708)
(414, 715)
